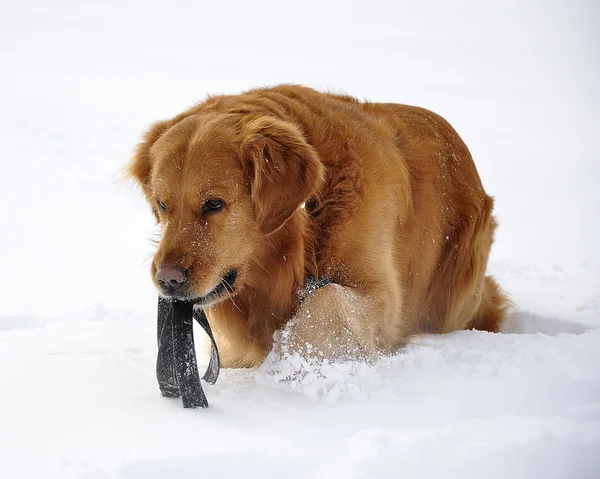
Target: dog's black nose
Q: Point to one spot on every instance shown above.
(171, 279)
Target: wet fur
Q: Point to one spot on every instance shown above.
(395, 215)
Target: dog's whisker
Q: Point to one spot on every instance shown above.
(229, 290)
(260, 264)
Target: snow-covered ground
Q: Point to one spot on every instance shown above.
(80, 82)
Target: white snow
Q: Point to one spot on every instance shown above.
(80, 82)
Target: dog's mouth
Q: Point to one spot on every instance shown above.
(224, 288)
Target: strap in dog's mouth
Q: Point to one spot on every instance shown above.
(225, 286)
(176, 366)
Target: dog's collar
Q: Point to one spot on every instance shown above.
(311, 285)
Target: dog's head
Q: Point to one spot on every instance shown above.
(219, 185)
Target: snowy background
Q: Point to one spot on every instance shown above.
(80, 82)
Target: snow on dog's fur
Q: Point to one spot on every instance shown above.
(382, 199)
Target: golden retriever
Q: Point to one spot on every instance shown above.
(261, 194)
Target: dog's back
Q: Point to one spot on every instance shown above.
(435, 240)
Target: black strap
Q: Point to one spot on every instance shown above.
(176, 366)
(165, 360)
(214, 364)
(186, 367)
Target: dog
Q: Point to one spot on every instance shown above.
(264, 196)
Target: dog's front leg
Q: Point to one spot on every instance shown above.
(335, 323)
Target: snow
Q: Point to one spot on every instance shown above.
(80, 82)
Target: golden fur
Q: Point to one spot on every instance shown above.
(383, 199)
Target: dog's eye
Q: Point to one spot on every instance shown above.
(213, 206)
(162, 206)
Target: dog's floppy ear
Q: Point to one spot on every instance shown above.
(284, 170)
(140, 166)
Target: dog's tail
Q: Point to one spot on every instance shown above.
(493, 308)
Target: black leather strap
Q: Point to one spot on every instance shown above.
(165, 360)
(214, 364)
(176, 366)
